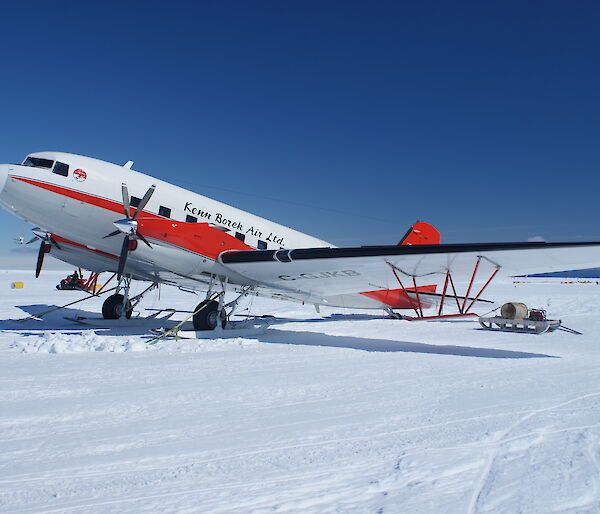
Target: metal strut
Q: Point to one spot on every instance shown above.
(230, 307)
(221, 308)
(220, 296)
(138, 298)
(233, 304)
(123, 286)
(400, 282)
(464, 308)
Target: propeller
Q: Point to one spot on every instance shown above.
(129, 226)
(46, 242)
(44, 249)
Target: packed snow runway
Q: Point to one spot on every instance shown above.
(343, 411)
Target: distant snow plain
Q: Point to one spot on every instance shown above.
(342, 411)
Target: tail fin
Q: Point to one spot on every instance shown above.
(421, 234)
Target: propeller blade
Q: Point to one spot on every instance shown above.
(116, 232)
(31, 240)
(123, 256)
(144, 200)
(144, 239)
(40, 259)
(125, 194)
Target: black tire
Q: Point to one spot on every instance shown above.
(111, 308)
(206, 317)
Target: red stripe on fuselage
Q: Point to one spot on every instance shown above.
(198, 238)
(97, 201)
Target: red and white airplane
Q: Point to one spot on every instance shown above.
(105, 217)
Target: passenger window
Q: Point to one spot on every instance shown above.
(164, 211)
(60, 168)
(240, 236)
(262, 245)
(191, 219)
(134, 201)
(36, 162)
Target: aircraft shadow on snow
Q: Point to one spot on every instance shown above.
(57, 321)
(388, 345)
(331, 317)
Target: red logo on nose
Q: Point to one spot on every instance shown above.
(79, 175)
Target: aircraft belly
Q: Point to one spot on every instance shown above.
(139, 268)
(82, 259)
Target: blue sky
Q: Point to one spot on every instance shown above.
(346, 120)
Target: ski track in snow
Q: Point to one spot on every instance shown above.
(339, 412)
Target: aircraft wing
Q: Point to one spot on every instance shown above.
(323, 272)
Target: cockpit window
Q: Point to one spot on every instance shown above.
(60, 168)
(36, 162)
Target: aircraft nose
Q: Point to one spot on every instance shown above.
(3, 175)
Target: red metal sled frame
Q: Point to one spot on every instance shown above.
(463, 309)
(90, 285)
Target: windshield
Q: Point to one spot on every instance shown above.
(36, 162)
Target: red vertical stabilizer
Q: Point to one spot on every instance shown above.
(421, 233)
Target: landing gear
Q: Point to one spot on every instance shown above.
(207, 314)
(213, 312)
(113, 305)
(112, 308)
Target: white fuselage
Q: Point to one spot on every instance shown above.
(82, 206)
(78, 199)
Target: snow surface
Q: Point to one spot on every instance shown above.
(338, 412)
